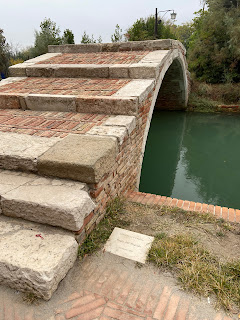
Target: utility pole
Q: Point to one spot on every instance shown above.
(156, 24)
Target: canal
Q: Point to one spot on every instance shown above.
(193, 156)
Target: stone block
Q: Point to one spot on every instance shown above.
(107, 105)
(40, 70)
(84, 71)
(118, 71)
(46, 102)
(9, 101)
(79, 157)
(20, 151)
(144, 70)
(18, 70)
(128, 244)
(113, 131)
(155, 56)
(52, 202)
(136, 88)
(129, 122)
(34, 258)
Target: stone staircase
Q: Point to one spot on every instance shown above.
(72, 123)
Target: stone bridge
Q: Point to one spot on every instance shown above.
(73, 128)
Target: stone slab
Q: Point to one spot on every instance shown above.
(34, 258)
(136, 88)
(20, 151)
(46, 102)
(50, 201)
(129, 122)
(128, 244)
(113, 131)
(80, 157)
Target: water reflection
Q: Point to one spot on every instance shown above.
(193, 156)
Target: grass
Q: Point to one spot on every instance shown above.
(114, 218)
(197, 269)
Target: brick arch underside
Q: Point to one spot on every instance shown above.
(171, 93)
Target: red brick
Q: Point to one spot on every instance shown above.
(160, 310)
(238, 216)
(225, 213)
(198, 207)
(218, 212)
(186, 205)
(91, 315)
(211, 209)
(172, 307)
(205, 208)
(83, 300)
(192, 206)
(180, 203)
(85, 308)
(232, 214)
(183, 310)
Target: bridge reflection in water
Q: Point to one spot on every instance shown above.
(193, 156)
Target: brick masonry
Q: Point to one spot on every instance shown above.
(97, 58)
(48, 123)
(64, 86)
(228, 214)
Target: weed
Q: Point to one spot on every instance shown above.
(114, 218)
(30, 298)
(220, 234)
(197, 269)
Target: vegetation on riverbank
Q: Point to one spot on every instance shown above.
(196, 248)
(206, 97)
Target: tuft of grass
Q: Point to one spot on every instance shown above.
(114, 218)
(197, 269)
(30, 298)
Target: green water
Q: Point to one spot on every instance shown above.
(193, 156)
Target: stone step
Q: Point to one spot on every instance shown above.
(54, 202)
(84, 158)
(131, 64)
(101, 96)
(34, 258)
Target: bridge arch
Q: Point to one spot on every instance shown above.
(171, 91)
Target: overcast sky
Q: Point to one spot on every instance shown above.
(19, 18)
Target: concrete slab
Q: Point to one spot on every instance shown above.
(50, 201)
(34, 258)
(128, 244)
(79, 157)
(20, 151)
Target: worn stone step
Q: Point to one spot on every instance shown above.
(131, 64)
(101, 96)
(54, 202)
(84, 158)
(34, 258)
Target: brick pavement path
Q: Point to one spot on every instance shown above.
(64, 86)
(107, 287)
(48, 123)
(97, 58)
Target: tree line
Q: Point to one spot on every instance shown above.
(212, 40)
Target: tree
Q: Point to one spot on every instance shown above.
(143, 29)
(68, 37)
(4, 55)
(117, 36)
(48, 35)
(86, 38)
(214, 53)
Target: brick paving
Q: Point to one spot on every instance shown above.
(48, 123)
(107, 287)
(97, 58)
(229, 214)
(65, 86)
